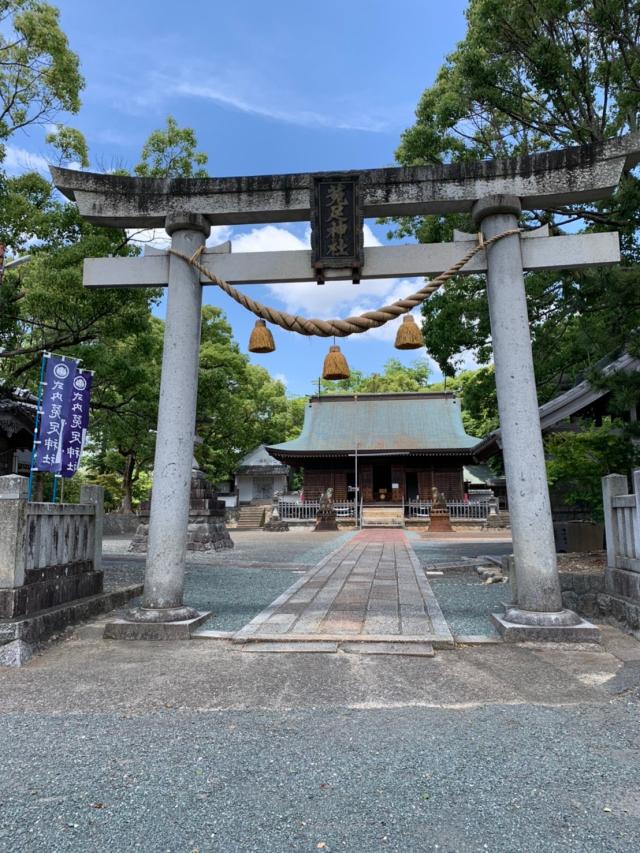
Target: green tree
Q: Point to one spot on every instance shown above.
(579, 460)
(125, 412)
(477, 391)
(171, 152)
(39, 73)
(239, 404)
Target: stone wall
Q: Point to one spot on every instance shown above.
(122, 523)
(594, 596)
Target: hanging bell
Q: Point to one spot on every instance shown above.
(335, 365)
(261, 339)
(409, 335)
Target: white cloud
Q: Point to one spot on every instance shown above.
(280, 377)
(18, 160)
(224, 95)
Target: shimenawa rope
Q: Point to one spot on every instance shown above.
(351, 325)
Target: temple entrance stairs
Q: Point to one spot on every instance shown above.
(250, 517)
(382, 516)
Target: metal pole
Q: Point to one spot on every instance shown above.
(357, 492)
(36, 427)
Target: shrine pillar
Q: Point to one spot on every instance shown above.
(539, 600)
(168, 521)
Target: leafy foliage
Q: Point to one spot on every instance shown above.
(39, 73)
(239, 405)
(533, 76)
(579, 460)
(171, 153)
(477, 391)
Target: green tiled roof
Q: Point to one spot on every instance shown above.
(379, 423)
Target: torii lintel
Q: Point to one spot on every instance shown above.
(577, 174)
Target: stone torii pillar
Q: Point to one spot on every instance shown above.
(169, 516)
(538, 597)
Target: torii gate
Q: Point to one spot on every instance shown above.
(493, 191)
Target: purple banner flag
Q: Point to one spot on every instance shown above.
(58, 383)
(75, 431)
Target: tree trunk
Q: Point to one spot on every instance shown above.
(127, 483)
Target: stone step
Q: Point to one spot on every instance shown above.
(250, 517)
(382, 517)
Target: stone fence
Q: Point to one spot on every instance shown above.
(622, 521)
(622, 526)
(50, 572)
(39, 539)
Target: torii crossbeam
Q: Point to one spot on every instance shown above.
(493, 192)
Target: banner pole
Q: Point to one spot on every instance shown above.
(55, 489)
(36, 427)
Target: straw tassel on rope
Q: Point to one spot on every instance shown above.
(261, 339)
(408, 335)
(335, 365)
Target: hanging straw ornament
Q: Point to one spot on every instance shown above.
(335, 365)
(261, 339)
(409, 335)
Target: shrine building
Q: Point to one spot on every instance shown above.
(406, 444)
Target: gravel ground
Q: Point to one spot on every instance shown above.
(443, 551)
(504, 779)
(467, 603)
(234, 595)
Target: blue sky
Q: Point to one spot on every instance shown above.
(269, 88)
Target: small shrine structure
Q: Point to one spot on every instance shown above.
(398, 446)
(259, 477)
(17, 417)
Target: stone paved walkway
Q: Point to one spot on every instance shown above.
(372, 589)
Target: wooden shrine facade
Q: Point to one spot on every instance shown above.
(401, 445)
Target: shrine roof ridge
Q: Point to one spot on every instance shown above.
(382, 395)
(558, 176)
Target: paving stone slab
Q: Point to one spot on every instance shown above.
(424, 650)
(312, 646)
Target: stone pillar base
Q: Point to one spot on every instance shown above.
(563, 626)
(276, 526)
(171, 623)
